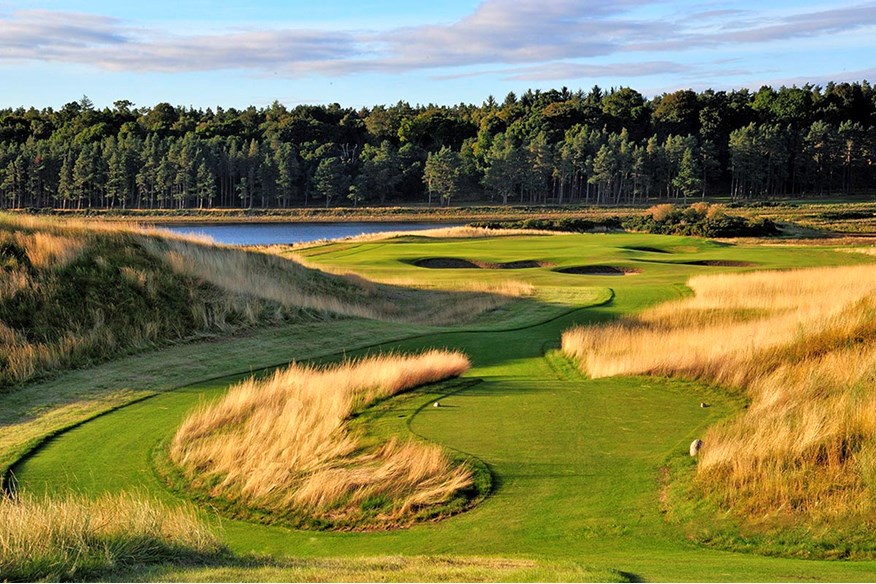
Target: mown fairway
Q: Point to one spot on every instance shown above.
(576, 462)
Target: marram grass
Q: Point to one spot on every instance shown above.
(283, 446)
(74, 537)
(801, 345)
(74, 293)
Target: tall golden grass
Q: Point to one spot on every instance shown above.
(284, 445)
(864, 250)
(175, 287)
(801, 345)
(77, 538)
(291, 282)
(58, 283)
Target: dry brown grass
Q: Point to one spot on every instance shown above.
(293, 282)
(451, 568)
(76, 293)
(52, 315)
(289, 283)
(864, 250)
(504, 288)
(284, 445)
(802, 344)
(72, 537)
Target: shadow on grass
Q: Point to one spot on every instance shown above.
(384, 569)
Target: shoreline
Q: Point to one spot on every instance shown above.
(804, 218)
(333, 214)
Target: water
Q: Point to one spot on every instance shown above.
(273, 233)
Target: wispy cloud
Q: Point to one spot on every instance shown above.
(518, 39)
(566, 70)
(30, 33)
(753, 28)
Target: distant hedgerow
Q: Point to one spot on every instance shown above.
(700, 219)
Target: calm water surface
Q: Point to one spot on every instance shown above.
(272, 233)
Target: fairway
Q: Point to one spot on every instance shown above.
(576, 463)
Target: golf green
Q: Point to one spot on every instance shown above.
(576, 462)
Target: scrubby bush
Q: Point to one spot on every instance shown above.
(567, 224)
(700, 219)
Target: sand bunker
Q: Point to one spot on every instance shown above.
(464, 264)
(648, 249)
(600, 270)
(725, 263)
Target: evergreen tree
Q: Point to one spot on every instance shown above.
(441, 175)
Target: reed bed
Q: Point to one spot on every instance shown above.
(77, 538)
(284, 445)
(800, 344)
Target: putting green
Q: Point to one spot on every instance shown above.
(576, 462)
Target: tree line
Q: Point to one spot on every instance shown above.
(543, 147)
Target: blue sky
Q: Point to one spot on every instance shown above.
(207, 53)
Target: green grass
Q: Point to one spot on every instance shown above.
(576, 463)
(381, 569)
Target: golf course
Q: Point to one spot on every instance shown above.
(580, 478)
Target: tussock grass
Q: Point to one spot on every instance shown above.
(802, 346)
(391, 569)
(78, 538)
(293, 282)
(864, 250)
(73, 293)
(506, 288)
(284, 445)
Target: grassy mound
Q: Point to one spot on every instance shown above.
(797, 465)
(74, 538)
(74, 293)
(283, 447)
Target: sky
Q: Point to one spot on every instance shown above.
(361, 53)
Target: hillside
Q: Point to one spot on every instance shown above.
(76, 293)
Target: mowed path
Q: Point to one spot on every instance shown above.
(576, 463)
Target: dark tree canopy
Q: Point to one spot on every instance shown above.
(557, 146)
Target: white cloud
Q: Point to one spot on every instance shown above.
(528, 39)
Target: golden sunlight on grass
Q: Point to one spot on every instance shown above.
(292, 282)
(461, 232)
(801, 345)
(72, 537)
(284, 445)
(503, 288)
(74, 293)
